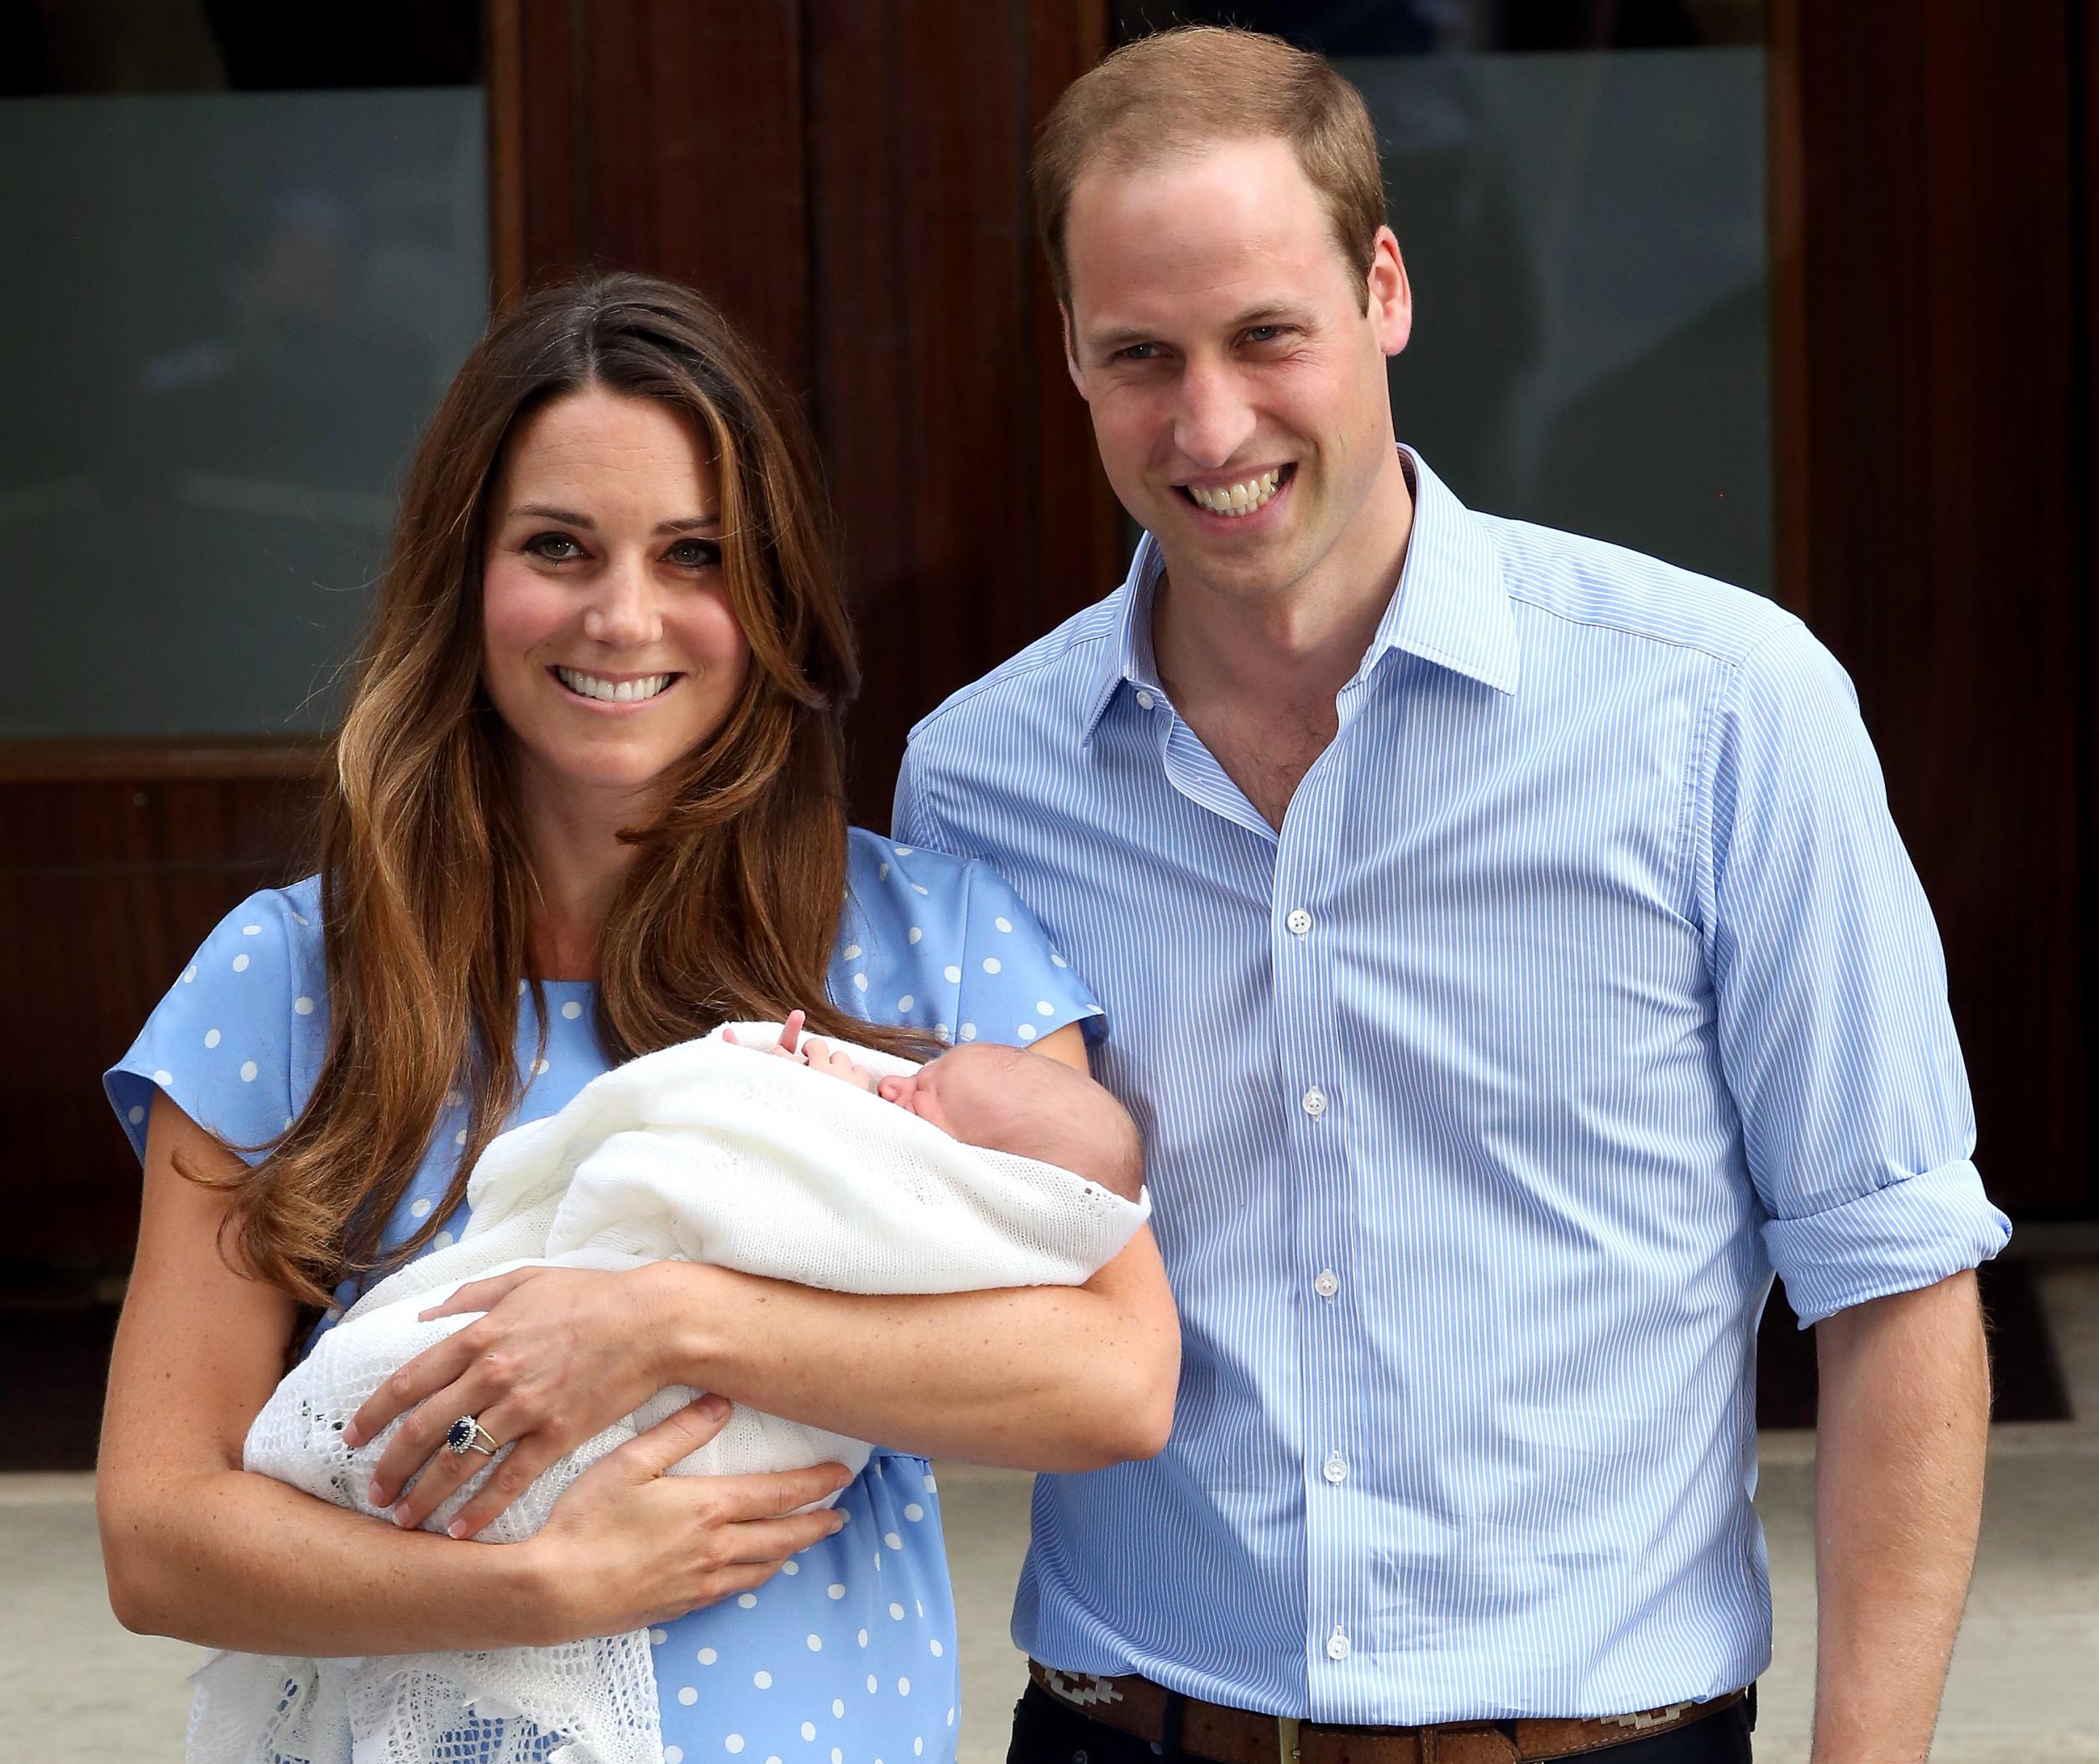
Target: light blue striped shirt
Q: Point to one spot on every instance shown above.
(1586, 983)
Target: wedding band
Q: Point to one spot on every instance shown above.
(467, 1434)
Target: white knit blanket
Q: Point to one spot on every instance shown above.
(704, 1153)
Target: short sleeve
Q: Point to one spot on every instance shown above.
(231, 1043)
(943, 943)
(1830, 992)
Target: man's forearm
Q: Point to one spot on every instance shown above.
(1902, 1430)
(1047, 1378)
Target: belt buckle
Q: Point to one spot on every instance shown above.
(1286, 1728)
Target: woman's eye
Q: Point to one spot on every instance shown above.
(553, 547)
(695, 553)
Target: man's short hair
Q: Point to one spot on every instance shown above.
(1198, 84)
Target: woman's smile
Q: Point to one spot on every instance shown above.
(614, 691)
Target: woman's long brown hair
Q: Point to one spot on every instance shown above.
(731, 906)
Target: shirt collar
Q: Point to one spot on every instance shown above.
(1451, 608)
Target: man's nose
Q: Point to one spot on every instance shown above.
(1214, 420)
(623, 611)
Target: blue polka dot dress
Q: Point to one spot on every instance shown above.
(847, 1656)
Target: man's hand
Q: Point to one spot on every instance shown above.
(1903, 1429)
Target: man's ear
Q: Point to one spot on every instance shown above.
(1070, 351)
(1391, 301)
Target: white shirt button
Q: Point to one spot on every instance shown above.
(1144, 699)
(1327, 1284)
(1299, 922)
(1337, 1645)
(1337, 1468)
(1315, 1101)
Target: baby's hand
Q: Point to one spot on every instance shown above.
(820, 1057)
(787, 1047)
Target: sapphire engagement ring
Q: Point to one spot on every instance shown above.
(466, 1435)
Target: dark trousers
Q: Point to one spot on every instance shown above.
(1046, 1731)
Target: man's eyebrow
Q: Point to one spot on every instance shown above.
(568, 517)
(1123, 336)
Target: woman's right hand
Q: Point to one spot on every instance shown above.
(627, 1545)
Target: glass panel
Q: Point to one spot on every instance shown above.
(231, 314)
(1584, 230)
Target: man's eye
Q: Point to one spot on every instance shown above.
(1264, 333)
(695, 553)
(1139, 351)
(554, 547)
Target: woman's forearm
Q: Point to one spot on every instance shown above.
(1042, 1378)
(234, 1560)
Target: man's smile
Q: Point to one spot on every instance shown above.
(1234, 498)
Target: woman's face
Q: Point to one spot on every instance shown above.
(608, 645)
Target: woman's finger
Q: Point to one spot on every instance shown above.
(442, 1471)
(655, 1451)
(775, 1540)
(775, 1494)
(482, 1295)
(443, 1362)
(513, 1473)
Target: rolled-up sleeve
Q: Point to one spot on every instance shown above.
(1830, 991)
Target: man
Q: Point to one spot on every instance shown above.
(1510, 962)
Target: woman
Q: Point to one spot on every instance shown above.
(586, 804)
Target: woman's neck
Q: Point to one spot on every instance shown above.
(578, 864)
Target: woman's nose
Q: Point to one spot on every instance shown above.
(623, 612)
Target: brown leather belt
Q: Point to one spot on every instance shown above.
(1134, 1705)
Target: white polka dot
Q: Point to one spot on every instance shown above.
(896, 1612)
(287, 1123)
(916, 934)
(707, 1657)
(790, 1568)
(763, 1680)
(809, 1729)
(1026, 1032)
(421, 1210)
(860, 980)
(673, 1755)
(838, 1708)
(951, 1715)
(836, 1589)
(1004, 925)
(852, 952)
(303, 1005)
(940, 1032)
(931, 1486)
(189, 974)
(905, 1002)
(903, 850)
(871, 1686)
(747, 1600)
(164, 1077)
(1059, 959)
(816, 1644)
(913, 1512)
(211, 1038)
(837, 1757)
(734, 1741)
(240, 964)
(441, 1241)
(520, 989)
(917, 1747)
(969, 1032)
(687, 1696)
(248, 1070)
(251, 930)
(903, 1687)
(454, 1099)
(538, 1066)
(134, 1114)
(459, 1137)
(920, 888)
(863, 1638)
(572, 1010)
(937, 1651)
(1044, 1008)
(878, 1562)
(894, 1542)
(882, 874)
(991, 964)
(658, 1637)
(774, 1759)
(951, 974)
(295, 918)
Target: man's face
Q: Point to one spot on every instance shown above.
(1237, 384)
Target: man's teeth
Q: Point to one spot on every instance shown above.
(613, 692)
(1237, 499)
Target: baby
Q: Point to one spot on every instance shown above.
(998, 1098)
(985, 1167)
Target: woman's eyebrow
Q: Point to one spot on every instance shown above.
(569, 517)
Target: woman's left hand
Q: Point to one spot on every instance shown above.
(561, 1354)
